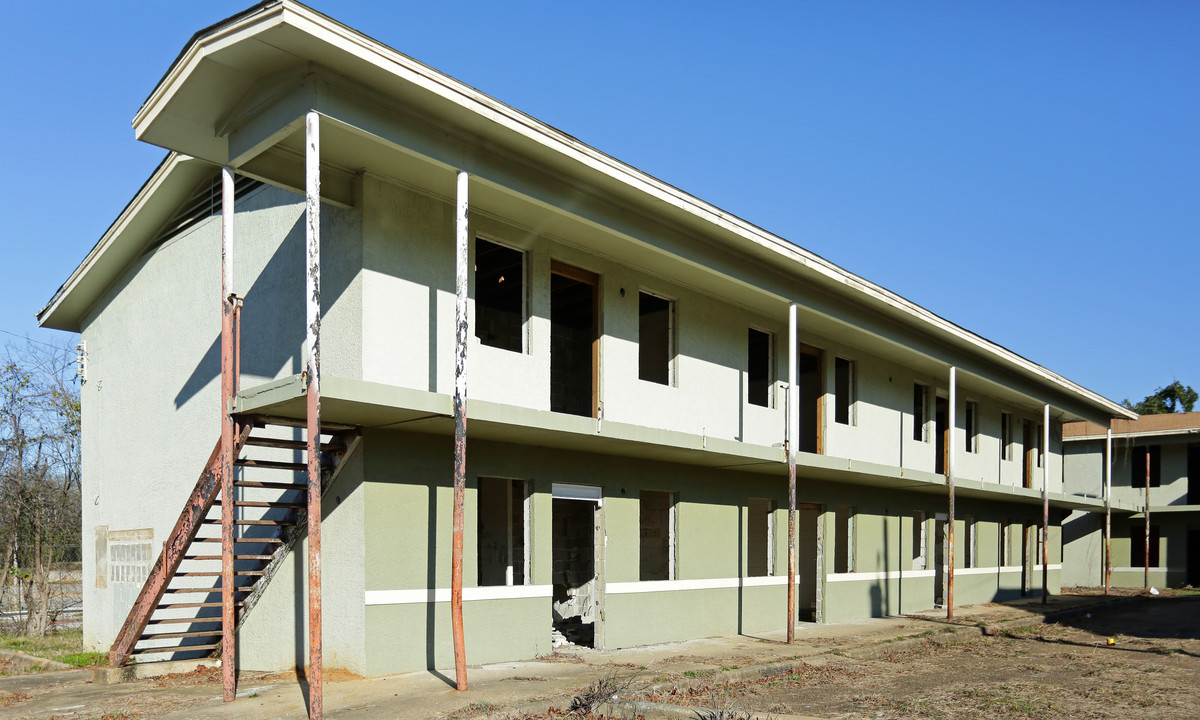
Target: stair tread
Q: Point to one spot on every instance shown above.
(217, 521)
(174, 648)
(270, 485)
(191, 620)
(168, 636)
(246, 540)
(235, 557)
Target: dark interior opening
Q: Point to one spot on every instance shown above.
(499, 296)
(1028, 459)
(1137, 546)
(758, 367)
(920, 414)
(572, 333)
(941, 428)
(808, 378)
(574, 572)
(654, 339)
(1193, 474)
(1138, 467)
(843, 384)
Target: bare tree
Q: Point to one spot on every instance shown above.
(39, 474)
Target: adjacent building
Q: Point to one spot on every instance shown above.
(1155, 457)
(630, 359)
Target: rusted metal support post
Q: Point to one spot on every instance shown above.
(1046, 504)
(1108, 510)
(312, 288)
(460, 429)
(228, 371)
(793, 444)
(950, 444)
(1146, 555)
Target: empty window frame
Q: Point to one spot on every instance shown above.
(1006, 436)
(499, 296)
(844, 390)
(843, 544)
(760, 541)
(1137, 546)
(1138, 467)
(503, 509)
(657, 535)
(655, 338)
(972, 413)
(758, 367)
(920, 412)
(919, 542)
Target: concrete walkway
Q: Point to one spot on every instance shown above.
(535, 686)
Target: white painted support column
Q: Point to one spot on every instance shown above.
(1046, 504)
(312, 315)
(950, 457)
(793, 445)
(461, 321)
(1108, 509)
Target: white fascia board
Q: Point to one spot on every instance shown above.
(385, 58)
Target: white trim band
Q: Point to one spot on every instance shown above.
(426, 595)
(646, 586)
(882, 575)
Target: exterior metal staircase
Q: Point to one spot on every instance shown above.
(178, 611)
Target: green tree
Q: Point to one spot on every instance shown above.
(1173, 398)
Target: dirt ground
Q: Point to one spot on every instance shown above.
(913, 667)
(1064, 670)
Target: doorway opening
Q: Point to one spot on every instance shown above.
(810, 383)
(808, 575)
(574, 340)
(575, 558)
(1029, 456)
(941, 434)
(939, 560)
(1193, 557)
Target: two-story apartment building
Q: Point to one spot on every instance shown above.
(630, 353)
(1156, 456)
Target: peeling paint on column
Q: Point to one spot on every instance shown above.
(460, 427)
(312, 235)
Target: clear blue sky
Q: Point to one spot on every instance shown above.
(1028, 170)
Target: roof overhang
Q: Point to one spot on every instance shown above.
(210, 88)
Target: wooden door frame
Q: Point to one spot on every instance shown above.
(819, 354)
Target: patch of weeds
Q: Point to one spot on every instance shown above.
(724, 711)
(84, 659)
(730, 667)
(604, 690)
(949, 629)
(475, 708)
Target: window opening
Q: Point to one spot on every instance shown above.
(920, 412)
(843, 391)
(1138, 468)
(657, 530)
(499, 296)
(920, 557)
(758, 368)
(843, 550)
(503, 509)
(1030, 449)
(655, 351)
(1193, 478)
(972, 558)
(760, 542)
(972, 412)
(1006, 436)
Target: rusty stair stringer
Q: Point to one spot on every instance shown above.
(208, 486)
(292, 535)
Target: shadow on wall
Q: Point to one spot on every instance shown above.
(273, 312)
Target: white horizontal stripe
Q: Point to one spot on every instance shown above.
(882, 575)
(1143, 570)
(987, 570)
(625, 588)
(424, 595)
